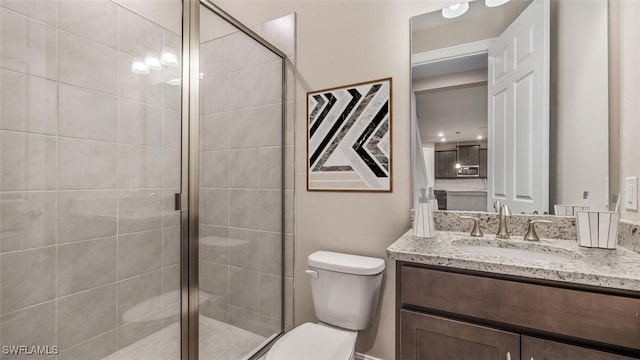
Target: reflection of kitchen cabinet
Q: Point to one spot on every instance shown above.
(483, 163)
(486, 315)
(469, 154)
(441, 196)
(446, 164)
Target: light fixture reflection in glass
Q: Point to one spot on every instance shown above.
(494, 3)
(173, 82)
(169, 57)
(152, 61)
(443, 139)
(479, 137)
(455, 10)
(139, 67)
(440, 134)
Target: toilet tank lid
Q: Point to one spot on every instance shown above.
(346, 263)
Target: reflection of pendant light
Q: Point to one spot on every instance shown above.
(457, 151)
(494, 3)
(455, 10)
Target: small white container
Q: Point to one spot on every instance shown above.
(569, 210)
(597, 229)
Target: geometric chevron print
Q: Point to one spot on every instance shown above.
(349, 138)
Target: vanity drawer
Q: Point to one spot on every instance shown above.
(601, 318)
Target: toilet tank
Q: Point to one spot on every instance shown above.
(346, 289)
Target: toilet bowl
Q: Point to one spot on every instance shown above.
(345, 290)
(311, 341)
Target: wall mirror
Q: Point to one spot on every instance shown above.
(510, 102)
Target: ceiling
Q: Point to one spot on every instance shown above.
(449, 66)
(446, 111)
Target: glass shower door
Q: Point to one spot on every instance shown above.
(240, 183)
(90, 142)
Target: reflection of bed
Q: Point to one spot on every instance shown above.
(467, 200)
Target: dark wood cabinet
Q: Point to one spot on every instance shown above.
(541, 349)
(483, 163)
(469, 154)
(428, 337)
(445, 161)
(446, 164)
(441, 196)
(454, 314)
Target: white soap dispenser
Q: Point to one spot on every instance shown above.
(423, 225)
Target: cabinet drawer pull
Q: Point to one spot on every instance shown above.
(508, 355)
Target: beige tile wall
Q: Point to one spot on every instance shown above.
(241, 166)
(89, 159)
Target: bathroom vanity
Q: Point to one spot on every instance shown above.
(549, 300)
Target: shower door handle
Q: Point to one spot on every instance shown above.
(180, 201)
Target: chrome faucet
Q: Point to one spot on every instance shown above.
(504, 212)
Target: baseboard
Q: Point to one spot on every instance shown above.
(365, 357)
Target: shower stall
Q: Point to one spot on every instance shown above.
(145, 180)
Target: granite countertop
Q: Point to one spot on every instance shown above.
(617, 269)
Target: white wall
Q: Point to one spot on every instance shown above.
(630, 93)
(339, 43)
(581, 144)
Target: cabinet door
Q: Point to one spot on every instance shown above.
(452, 159)
(473, 157)
(469, 154)
(441, 168)
(445, 164)
(539, 349)
(427, 337)
(483, 163)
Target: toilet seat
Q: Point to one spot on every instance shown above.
(314, 342)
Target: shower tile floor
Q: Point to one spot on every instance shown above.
(218, 341)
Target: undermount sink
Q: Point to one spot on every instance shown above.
(516, 249)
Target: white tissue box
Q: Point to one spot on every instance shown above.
(597, 229)
(568, 210)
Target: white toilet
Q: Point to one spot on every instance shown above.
(345, 290)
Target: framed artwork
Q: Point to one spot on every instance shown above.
(349, 138)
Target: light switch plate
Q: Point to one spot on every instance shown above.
(631, 193)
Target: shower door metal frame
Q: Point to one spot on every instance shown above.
(189, 198)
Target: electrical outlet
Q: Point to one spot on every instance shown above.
(631, 193)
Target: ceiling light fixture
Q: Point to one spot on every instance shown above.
(152, 61)
(455, 10)
(494, 3)
(169, 57)
(139, 67)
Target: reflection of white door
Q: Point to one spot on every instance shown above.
(518, 86)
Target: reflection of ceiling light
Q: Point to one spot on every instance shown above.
(456, 10)
(440, 134)
(479, 137)
(494, 3)
(173, 82)
(139, 67)
(443, 139)
(152, 61)
(169, 57)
